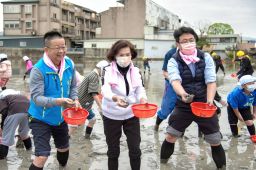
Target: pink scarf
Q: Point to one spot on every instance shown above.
(50, 64)
(133, 75)
(189, 58)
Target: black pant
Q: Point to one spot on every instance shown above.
(221, 67)
(113, 132)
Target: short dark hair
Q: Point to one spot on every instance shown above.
(119, 45)
(184, 30)
(50, 36)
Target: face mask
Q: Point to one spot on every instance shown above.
(251, 87)
(123, 61)
(188, 48)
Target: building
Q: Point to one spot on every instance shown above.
(33, 18)
(222, 43)
(146, 24)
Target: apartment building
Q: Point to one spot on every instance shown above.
(33, 18)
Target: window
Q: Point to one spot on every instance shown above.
(11, 9)
(1, 43)
(23, 44)
(54, 15)
(94, 45)
(28, 24)
(28, 9)
(11, 24)
(54, 1)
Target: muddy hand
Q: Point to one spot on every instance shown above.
(77, 104)
(122, 102)
(187, 98)
(68, 102)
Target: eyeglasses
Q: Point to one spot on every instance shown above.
(63, 48)
(187, 41)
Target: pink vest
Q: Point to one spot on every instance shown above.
(29, 65)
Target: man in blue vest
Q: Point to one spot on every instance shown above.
(52, 88)
(192, 75)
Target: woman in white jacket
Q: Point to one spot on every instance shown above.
(122, 87)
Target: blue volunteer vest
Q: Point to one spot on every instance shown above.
(55, 88)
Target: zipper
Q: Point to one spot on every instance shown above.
(44, 111)
(62, 91)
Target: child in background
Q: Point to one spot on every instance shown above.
(5, 70)
(88, 92)
(240, 100)
(29, 66)
(146, 64)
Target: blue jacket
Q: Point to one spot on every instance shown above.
(53, 88)
(237, 99)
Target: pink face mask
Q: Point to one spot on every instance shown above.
(188, 48)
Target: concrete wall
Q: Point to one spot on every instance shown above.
(107, 43)
(124, 22)
(158, 16)
(98, 48)
(102, 52)
(157, 48)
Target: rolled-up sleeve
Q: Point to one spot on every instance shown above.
(209, 72)
(37, 89)
(173, 70)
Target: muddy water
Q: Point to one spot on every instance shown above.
(190, 152)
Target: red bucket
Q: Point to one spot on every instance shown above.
(233, 75)
(75, 116)
(253, 138)
(204, 110)
(144, 110)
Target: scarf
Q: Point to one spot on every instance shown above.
(189, 58)
(50, 64)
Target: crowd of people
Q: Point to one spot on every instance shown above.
(190, 76)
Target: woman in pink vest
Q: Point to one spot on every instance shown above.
(29, 66)
(5, 70)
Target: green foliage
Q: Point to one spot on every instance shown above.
(230, 54)
(202, 41)
(219, 29)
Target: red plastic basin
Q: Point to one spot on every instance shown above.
(201, 109)
(253, 138)
(144, 110)
(75, 117)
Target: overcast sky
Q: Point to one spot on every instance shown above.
(240, 14)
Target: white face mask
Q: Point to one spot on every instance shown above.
(123, 61)
(251, 87)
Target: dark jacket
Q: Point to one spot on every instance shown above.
(13, 104)
(193, 85)
(245, 67)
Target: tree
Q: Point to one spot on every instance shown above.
(203, 26)
(219, 29)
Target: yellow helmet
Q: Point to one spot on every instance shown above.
(214, 54)
(240, 53)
